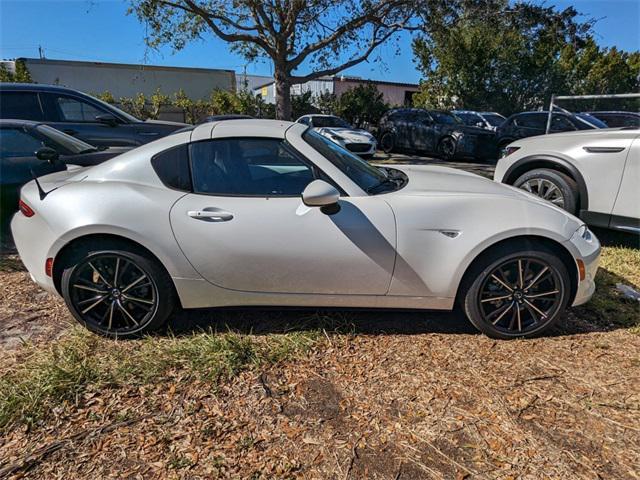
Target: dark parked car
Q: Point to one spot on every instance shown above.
(618, 119)
(530, 124)
(434, 132)
(75, 113)
(30, 149)
(487, 120)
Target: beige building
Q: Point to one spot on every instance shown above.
(394, 93)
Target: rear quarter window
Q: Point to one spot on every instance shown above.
(20, 105)
(172, 167)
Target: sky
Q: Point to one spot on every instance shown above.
(101, 30)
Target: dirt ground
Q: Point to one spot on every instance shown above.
(387, 395)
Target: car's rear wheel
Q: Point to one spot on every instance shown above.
(118, 293)
(519, 292)
(551, 185)
(387, 142)
(447, 148)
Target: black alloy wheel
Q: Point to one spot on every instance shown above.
(118, 293)
(518, 294)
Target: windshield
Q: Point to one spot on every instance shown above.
(591, 120)
(335, 122)
(359, 171)
(469, 118)
(445, 117)
(493, 119)
(109, 107)
(69, 143)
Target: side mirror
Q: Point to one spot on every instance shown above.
(320, 194)
(107, 119)
(47, 154)
(480, 124)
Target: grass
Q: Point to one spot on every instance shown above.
(81, 361)
(619, 263)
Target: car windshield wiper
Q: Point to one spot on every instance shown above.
(379, 187)
(88, 150)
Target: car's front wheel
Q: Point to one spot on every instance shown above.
(387, 142)
(551, 185)
(447, 148)
(516, 292)
(117, 292)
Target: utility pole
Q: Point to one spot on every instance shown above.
(41, 52)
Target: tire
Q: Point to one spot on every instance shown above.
(522, 312)
(447, 148)
(551, 185)
(387, 142)
(132, 292)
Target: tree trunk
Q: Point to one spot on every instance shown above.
(283, 97)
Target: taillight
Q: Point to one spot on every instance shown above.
(48, 267)
(25, 209)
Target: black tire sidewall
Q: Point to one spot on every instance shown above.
(161, 280)
(567, 186)
(484, 269)
(442, 153)
(391, 139)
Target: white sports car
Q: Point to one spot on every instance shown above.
(265, 213)
(594, 174)
(338, 131)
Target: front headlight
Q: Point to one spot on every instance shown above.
(335, 137)
(585, 233)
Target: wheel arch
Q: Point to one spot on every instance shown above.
(79, 244)
(551, 162)
(524, 241)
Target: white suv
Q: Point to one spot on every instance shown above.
(592, 174)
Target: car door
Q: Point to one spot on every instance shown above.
(262, 238)
(77, 116)
(627, 204)
(423, 134)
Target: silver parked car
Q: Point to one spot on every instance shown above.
(263, 212)
(594, 174)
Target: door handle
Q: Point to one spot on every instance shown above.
(212, 215)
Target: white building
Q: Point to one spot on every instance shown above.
(127, 80)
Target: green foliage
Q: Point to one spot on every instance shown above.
(508, 57)
(21, 74)
(220, 102)
(303, 105)
(361, 105)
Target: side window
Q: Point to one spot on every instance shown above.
(15, 142)
(75, 110)
(247, 167)
(536, 120)
(20, 105)
(305, 121)
(560, 123)
(172, 166)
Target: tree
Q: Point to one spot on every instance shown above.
(20, 75)
(324, 36)
(361, 105)
(593, 70)
(496, 54)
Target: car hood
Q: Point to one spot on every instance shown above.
(167, 123)
(349, 134)
(431, 180)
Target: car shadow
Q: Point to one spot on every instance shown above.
(615, 238)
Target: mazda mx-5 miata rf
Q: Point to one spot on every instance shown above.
(270, 213)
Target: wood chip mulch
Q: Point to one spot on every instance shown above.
(403, 396)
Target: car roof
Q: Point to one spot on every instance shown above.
(617, 112)
(41, 87)
(10, 122)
